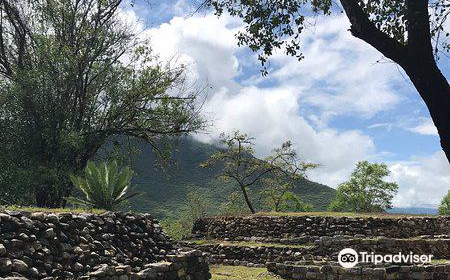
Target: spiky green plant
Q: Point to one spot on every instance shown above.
(104, 186)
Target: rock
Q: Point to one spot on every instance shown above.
(40, 216)
(49, 233)
(5, 265)
(19, 266)
(52, 218)
(77, 250)
(2, 250)
(77, 267)
(33, 272)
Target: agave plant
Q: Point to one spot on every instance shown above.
(104, 186)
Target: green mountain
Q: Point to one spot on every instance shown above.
(163, 192)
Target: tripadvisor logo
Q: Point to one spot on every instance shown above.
(349, 258)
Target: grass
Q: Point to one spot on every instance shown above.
(249, 244)
(240, 273)
(52, 210)
(434, 261)
(342, 214)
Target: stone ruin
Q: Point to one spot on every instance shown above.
(122, 246)
(307, 247)
(116, 246)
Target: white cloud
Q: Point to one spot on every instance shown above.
(422, 181)
(339, 74)
(426, 127)
(207, 44)
(334, 79)
(271, 116)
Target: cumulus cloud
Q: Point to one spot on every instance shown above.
(339, 74)
(298, 100)
(206, 44)
(270, 114)
(422, 181)
(425, 127)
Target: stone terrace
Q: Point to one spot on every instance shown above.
(306, 247)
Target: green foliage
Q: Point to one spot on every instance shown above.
(240, 165)
(198, 205)
(104, 186)
(74, 77)
(163, 193)
(366, 191)
(444, 208)
(273, 193)
(234, 205)
(290, 202)
(174, 228)
(273, 25)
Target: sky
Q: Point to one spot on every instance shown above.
(341, 104)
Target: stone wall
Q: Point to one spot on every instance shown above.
(66, 246)
(336, 272)
(239, 228)
(325, 247)
(439, 247)
(182, 266)
(256, 256)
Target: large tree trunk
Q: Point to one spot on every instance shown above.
(435, 91)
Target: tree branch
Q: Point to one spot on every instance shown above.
(364, 29)
(418, 26)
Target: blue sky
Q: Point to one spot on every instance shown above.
(343, 103)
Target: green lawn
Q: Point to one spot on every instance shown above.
(240, 273)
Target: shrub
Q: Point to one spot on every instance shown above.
(444, 209)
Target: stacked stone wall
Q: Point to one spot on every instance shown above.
(336, 272)
(72, 246)
(239, 228)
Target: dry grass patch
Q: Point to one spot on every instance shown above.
(341, 214)
(221, 272)
(52, 210)
(440, 261)
(248, 244)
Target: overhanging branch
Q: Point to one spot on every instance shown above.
(364, 29)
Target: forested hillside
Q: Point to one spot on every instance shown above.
(164, 192)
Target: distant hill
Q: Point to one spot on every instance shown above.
(162, 193)
(414, 210)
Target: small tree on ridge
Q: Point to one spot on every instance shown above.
(241, 166)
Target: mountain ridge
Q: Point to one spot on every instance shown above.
(163, 193)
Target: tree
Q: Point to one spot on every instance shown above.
(74, 76)
(274, 192)
(104, 186)
(366, 191)
(444, 208)
(241, 166)
(234, 205)
(411, 33)
(292, 203)
(278, 196)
